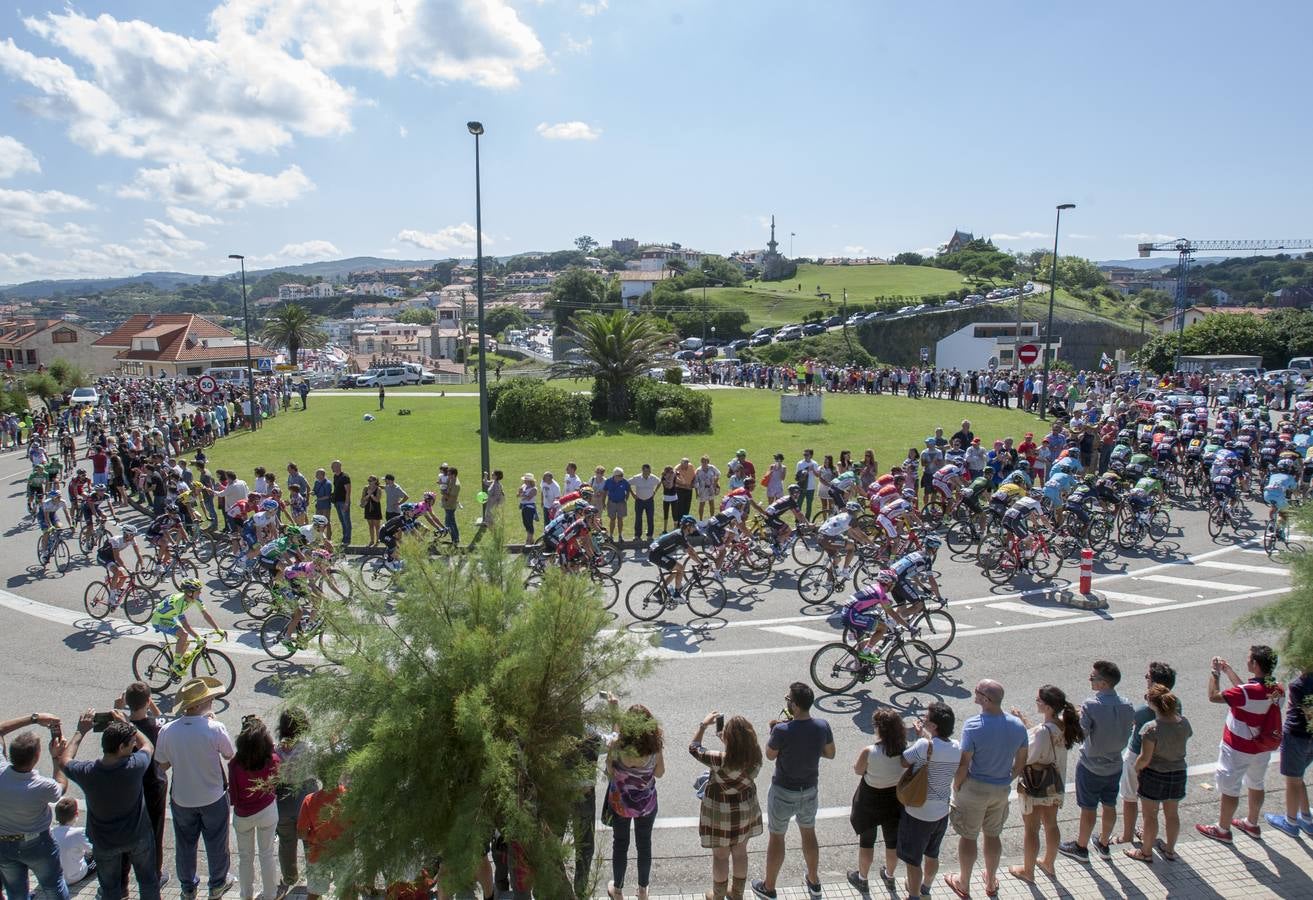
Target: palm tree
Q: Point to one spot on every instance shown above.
(615, 349)
(292, 326)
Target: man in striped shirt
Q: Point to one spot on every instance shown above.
(1245, 750)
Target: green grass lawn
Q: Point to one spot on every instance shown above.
(438, 430)
(869, 282)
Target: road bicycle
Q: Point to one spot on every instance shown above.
(595, 568)
(1221, 516)
(1152, 521)
(1002, 556)
(704, 596)
(52, 547)
(933, 624)
(196, 539)
(91, 537)
(153, 664)
(967, 528)
(1276, 535)
(178, 569)
(747, 559)
(801, 544)
(137, 602)
(276, 641)
(1073, 535)
(909, 664)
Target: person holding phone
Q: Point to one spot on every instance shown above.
(25, 803)
(730, 814)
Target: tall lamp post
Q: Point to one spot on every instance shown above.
(476, 129)
(1048, 332)
(246, 326)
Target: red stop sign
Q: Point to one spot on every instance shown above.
(1027, 353)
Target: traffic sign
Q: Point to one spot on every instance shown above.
(1027, 353)
(285, 367)
(206, 384)
(925, 354)
(265, 364)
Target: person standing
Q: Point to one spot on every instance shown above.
(527, 495)
(643, 488)
(796, 744)
(617, 503)
(322, 489)
(382, 395)
(393, 496)
(669, 498)
(1107, 719)
(805, 472)
(550, 494)
(994, 749)
(1162, 774)
(371, 505)
(730, 815)
(145, 717)
(634, 762)
(341, 497)
(1048, 745)
(451, 503)
(921, 829)
(195, 747)
(117, 822)
(706, 486)
(25, 819)
(295, 783)
(251, 775)
(1296, 752)
(1129, 790)
(683, 487)
(876, 805)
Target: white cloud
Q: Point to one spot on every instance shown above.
(403, 130)
(213, 184)
(1145, 237)
(40, 203)
(304, 251)
(1075, 236)
(577, 47)
(449, 239)
(66, 235)
(1023, 236)
(190, 217)
(18, 261)
(569, 131)
(15, 159)
(594, 7)
(927, 251)
(855, 250)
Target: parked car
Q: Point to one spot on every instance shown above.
(951, 303)
(686, 354)
(766, 330)
(87, 395)
(813, 328)
(737, 345)
(706, 353)
(691, 343)
(348, 380)
(904, 311)
(974, 298)
(759, 340)
(833, 321)
(872, 316)
(784, 335)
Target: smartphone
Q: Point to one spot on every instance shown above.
(603, 695)
(720, 723)
(56, 732)
(100, 721)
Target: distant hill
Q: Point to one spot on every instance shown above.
(1164, 261)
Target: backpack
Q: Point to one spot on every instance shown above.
(1269, 733)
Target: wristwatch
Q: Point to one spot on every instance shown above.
(35, 717)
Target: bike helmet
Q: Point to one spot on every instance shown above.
(908, 493)
(323, 555)
(886, 577)
(932, 542)
(1286, 465)
(429, 497)
(52, 495)
(687, 521)
(853, 506)
(129, 531)
(269, 505)
(1091, 478)
(589, 510)
(1024, 465)
(407, 507)
(795, 488)
(190, 585)
(1154, 473)
(586, 490)
(291, 531)
(100, 489)
(319, 521)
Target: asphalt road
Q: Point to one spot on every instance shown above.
(1176, 602)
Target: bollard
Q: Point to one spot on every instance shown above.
(1086, 569)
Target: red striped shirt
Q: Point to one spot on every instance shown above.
(1247, 704)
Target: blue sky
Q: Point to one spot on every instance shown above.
(154, 135)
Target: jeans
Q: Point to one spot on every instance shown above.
(252, 832)
(620, 848)
(643, 507)
(111, 873)
(449, 519)
(157, 802)
(38, 855)
(287, 843)
(190, 824)
(344, 516)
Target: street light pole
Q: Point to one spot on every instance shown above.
(1048, 332)
(476, 129)
(246, 326)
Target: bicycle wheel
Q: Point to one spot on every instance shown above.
(704, 598)
(938, 628)
(610, 587)
(1159, 524)
(835, 668)
(1045, 563)
(1129, 533)
(645, 600)
(138, 605)
(1099, 534)
(271, 636)
(1216, 521)
(910, 665)
(202, 545)
(215, 664)
(61, 556)
(86, 540)
(815, 584)
(257, 600)
(43, 549)
(1067, 542)
(934, 510)
(1270, 537)
(96, 599)
(231, 569)
(375, 574)
(151, 664)
(806, 552)
(333, 646)
(181, 570)
(755, 564)
(961, 537)
(610, 558)
(147, 574)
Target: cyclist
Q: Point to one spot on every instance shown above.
(576, 544)
(36, 486)
(51, 507)
(1146, 490)
(947, 480)
(301, 582)
(662, 551)
(715, 533)
(101, 505)
(1079, 501)
(1017, 520)
(170, 618)
(909, 570)
(423, 511)
(157, 534)
(554, 529)
(110, 555)
(971, 493)
(865, 613)
(1276, 493)
(839, 534)
(287, 546)
(1058, 486)
(394, 528)
(776, 527)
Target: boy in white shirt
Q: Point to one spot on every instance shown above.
(74, 848)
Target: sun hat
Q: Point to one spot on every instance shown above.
(196, 691)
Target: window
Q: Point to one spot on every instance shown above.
(31, 357)
(64, 336)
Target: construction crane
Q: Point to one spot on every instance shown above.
(1186, 248)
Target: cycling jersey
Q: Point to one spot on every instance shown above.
(661, 552)
(910, 565)
(1069, 464)
(173, 609)
(1015, 519)
(1058, 485)
(891, 513)
(837, 525)
(862, 611)
(779, 507)
(1148, 485)
(1008, 493)
(393, 528)
(886, 494)
(159, 525)
(105, 553)
(737, 498)
(274, 550)
(1277, 489)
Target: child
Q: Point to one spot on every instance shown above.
(317, 826)
(74, 848)
(298, 505)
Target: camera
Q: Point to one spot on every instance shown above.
(720, 723)
(100, 721)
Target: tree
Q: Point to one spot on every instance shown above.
(42, 385)
(1218, 333)
(678, 266)
(1291, 615)
(68, 375)
(574, 291)
(460, 707)
(292, 326)
(721, 270)
(908, 258)
(500, 318)
(615, 349)
(585, 244)
(416, 316)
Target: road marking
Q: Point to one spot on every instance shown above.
(809, 634)
(1196, 583)
(1047, 612)
(1241, 567)
(1135, 598)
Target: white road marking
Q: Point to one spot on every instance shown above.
(1195, 583)
(808, 634)
(1046, 612)
(1241, 567)
(1135, 598)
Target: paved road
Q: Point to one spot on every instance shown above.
(1176, 603)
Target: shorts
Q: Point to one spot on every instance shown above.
(1095, 790)
(889, 525)
(1276, 498)
(943, 487)
(1129, 787)
(1296, 754)
(99, 478)
(1016, 525)
(1162, 787)
(918, 838)
(862, 621)
(783, 804)
(663, 561)
(319, 878)
(617, 508)
(1078, 510)
(169, 628)
(1236, 770)
(927, 479)
(978, 807)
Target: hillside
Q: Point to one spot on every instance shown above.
(865, 282)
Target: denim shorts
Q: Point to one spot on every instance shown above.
(783, 804)
(1093, 790)
(1296, 754)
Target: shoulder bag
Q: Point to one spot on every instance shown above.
(914, 786)
(1042, 780)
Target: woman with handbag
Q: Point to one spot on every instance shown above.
(633, 764)
(925, 790)
(730, 815)
(875, 804)
(1161, 765)
(1042, 787)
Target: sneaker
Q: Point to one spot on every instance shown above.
(217, 892)
(1305, 824)
(1281, 823)
(759, 888)
(813, 890)
(1252, 830)
(1212, 831)
(857, 881)
(889, 879)
(290, 645)
(188, 894)
(868, 656)
(1074, 850)
(1103, 849)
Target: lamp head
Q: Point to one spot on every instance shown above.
(236, 256)
(1066, 206)
(476, 128)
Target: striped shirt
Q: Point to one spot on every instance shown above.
(1247, 706)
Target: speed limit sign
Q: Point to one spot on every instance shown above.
(206, 384)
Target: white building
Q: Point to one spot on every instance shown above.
(654, 259)
(528, 279)
(981, 345)
(635, 284)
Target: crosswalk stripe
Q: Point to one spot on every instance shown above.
(1044, 612)
(1240, 567)
(1196, 583)
(1138, 599)
(810, 634)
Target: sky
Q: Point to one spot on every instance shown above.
(163, 136)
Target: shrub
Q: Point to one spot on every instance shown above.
(531, 410)
(652, 396)
(671, 420)
(674, 375)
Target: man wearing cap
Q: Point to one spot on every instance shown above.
(196, 747)
(975, 458)
(616, 489)
(931, 459)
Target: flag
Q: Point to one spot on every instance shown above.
(1105, 362)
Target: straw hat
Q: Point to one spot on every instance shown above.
(195, 691)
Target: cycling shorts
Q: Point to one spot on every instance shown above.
(1224, 490)
(662, 560)
(248, 535)
(905, 594)
(170, 627)
(715, 535)
(1141, 501)
(1017, 524)
(861, 622)
(1276, 498)
(889, 525)
(1078, 510)
(971, 502)
(944, 488)
(774, 523)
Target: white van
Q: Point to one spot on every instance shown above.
(392, 376)
(1303, 363)
(228, 374)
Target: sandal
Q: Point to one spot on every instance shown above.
(1169, 855)
(955, 885)
(1140, 855)
(1019, 873)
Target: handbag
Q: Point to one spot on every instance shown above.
(611, 804)
(914, 785)
(1042, 780)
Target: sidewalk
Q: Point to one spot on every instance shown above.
(1278, 866)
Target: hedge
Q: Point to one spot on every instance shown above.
(654, 397)
(528, 410)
